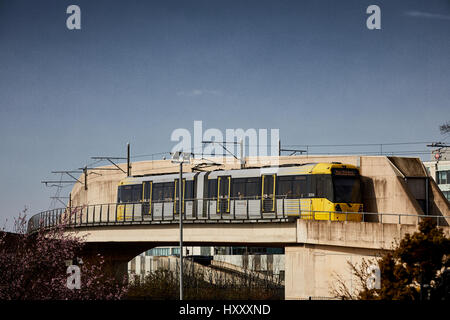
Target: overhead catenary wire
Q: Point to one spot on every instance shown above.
(356, 144)
(309, 152)
(310, 145)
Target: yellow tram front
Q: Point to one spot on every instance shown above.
(129, 200)
(336, 193)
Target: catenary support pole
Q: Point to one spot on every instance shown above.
(128, 160)
(180, 214)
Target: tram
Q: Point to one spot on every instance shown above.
(320, 191)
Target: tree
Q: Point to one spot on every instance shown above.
(445, 128)
(205, 283)
(33, 266)
(418, 268)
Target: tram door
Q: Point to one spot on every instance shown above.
(147, 189)
(176, 196)
(268, 192)
(223, 194)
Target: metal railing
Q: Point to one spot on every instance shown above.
(233, 210)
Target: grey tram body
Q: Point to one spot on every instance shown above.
(224, 205)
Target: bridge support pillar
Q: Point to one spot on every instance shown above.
(311, 270)
(116, 256)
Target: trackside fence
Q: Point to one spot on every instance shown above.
(232, 210)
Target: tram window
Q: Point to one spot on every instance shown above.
(239, 187)
(319, 186)
(168, 190)
(251, 187)
(158, 192)
(268, 185)
(285, 186)
(189, 190)
(245, 187)
(125, 194)
(300, 186)
(298, 189)
(328, 187)
(137, 193)
(147, 190)
(347, 189)
(311, 186)
(324, 186)
(130, 193)
(212, 188)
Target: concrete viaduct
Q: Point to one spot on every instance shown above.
(315, 251)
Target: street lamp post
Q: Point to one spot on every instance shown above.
(181, 157)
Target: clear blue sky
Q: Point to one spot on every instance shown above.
(137, 70)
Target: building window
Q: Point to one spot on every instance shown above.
(443, 177)
(159, 252)
(446, 195)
